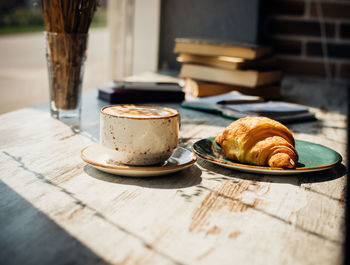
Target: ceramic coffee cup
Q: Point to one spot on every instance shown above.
(139, 134)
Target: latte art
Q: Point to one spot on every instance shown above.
(132, 111)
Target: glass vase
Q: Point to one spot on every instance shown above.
(65, 55)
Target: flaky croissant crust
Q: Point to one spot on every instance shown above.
(259, 141)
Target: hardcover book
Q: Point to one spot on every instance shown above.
(196, 88)
(229, 63)
(214, 47)
(247, 78)
(141, 92)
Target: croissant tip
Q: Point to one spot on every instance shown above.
(218, 139)
(292, 163)
(281, 161)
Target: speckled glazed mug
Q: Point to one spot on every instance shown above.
(139, 135)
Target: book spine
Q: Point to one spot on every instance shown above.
(264, 78)
(241, 78)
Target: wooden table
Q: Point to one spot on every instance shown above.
(56, 209)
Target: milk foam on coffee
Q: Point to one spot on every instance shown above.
(132, 111)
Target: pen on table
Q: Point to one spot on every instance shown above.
(239, 101)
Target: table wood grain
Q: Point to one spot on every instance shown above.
(56, 209)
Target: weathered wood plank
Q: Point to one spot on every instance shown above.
(205, 214)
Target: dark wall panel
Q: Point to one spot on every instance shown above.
(235, 20)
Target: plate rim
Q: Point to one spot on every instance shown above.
(138, 168)
(261, 168)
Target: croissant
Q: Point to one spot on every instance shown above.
(259, 141)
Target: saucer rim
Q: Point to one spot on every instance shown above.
(138, 168)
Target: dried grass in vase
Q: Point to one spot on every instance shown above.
(67, 23)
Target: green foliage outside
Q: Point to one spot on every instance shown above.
(30, 20)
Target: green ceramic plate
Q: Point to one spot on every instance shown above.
(312, 157)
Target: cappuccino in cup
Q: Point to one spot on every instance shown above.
(139, 134)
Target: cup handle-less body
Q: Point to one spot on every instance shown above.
(139, 141)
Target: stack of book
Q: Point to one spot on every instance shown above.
(212, 67)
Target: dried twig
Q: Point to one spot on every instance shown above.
(67, 23)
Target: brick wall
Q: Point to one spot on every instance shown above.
(309, 37)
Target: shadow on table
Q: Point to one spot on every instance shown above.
(185, 178)
(28, 236)
(313, 177)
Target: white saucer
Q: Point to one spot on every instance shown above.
(96, 156)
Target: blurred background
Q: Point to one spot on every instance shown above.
(23, 72)
(311, 40)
